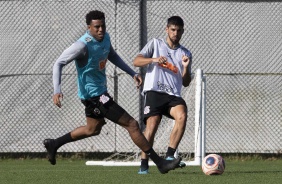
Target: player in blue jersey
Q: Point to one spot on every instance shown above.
(91, 53)
(168, 69)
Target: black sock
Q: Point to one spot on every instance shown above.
(170, 152)
(144, 164)
(153, 155)
(63, 140)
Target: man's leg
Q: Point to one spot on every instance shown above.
(179, 113)
(152, 124)
(93, 127)
(131, 125)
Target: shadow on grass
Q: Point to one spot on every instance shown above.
(251, 172)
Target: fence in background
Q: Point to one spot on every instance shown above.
(237, 44)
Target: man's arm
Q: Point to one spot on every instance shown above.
(140, 60)
(145, 56)
(186, 76)
(116, 60)
(71, 53)
(65, 58)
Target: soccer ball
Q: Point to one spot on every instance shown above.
(213, 164)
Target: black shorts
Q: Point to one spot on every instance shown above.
(103, 106)
(157, 103)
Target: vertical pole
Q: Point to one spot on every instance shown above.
(115, 77)
(116, 100)
(203, 119)
(142, 41)
(198, 109)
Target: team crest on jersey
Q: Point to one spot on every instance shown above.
(88, 39)
(146, 109)
(102, 64)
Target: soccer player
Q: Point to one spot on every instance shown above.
(168, 68)
(90, 53)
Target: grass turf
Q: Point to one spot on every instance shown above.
(68, 171)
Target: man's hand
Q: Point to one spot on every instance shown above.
(138, 80)
(57, 99)
(185, 61)
(160, 60)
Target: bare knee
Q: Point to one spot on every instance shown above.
(93, 132)
(128, 122)
(181, 118)
(94, 128)
(132, 125)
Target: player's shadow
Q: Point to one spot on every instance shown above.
(253, 172)
(229, 172)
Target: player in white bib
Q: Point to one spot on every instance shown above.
(168, 69)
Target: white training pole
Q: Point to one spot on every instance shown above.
(198, 131)
(203, 119)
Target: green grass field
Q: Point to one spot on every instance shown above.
(75, 171)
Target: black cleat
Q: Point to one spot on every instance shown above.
(51, 150)
(168, 165)
(180, 165)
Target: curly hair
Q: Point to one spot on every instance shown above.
(94, 15)
(175, 20)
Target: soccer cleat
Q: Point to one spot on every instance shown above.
(51, 150)
(146, 171)
(168, 165)
(180, 165)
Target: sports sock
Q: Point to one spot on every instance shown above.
(153, 155)
(144, 164)
(170, 152)
(63, 140)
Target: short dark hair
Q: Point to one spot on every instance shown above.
(175, 20)
(94, 15)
